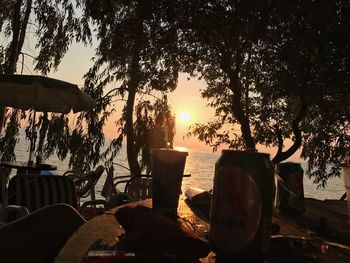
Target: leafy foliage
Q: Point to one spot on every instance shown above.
(154, 128)
(275, 72)
(11, 132)
(54, 25)
(137, 51)
(308, 61)
(221, 35)
(58, 25)
(279, 72)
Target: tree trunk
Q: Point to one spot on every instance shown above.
(280, 155)
(241, 116)
(133, 85)
(130, 135)
(18, 36)
(12, 57)
(23, 31)
(237, 104)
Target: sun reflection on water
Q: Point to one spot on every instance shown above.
(181, 149)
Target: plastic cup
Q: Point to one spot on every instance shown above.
(346, 179)
(167, 172)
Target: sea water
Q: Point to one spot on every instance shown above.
(199, 164)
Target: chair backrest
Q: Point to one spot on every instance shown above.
(136, 188)
(3, 193)
(139, 187)
(84, 189)
(35, 191)
(109, 189)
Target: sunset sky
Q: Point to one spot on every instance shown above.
(185, 100)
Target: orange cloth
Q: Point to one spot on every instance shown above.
(150, 232)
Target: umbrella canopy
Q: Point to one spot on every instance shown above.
(42, 94)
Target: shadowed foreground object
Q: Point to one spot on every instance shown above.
(39, 236)
(150, 232)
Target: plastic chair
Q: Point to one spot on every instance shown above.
(85, 183)
(27, 193)
(4, 179)
(124, 189)
(36, 191)
(112, 197)
(12, 212)
(136, 188)
(139, 187)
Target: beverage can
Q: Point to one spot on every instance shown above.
(241, 210)
(290, 188)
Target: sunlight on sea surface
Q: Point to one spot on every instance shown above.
(201, 167)
(181, 149)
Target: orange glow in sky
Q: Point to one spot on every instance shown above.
(184, 117)
(186, 101)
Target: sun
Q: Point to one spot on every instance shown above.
(184, 117)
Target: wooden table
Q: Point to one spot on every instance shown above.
(323, 226)
(105, 228)
(297, 240)
(28, 168)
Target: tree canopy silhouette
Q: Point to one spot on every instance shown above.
(278, 72)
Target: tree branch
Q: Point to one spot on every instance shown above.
(236, 105)
(24, 24)
(281, 156)
(16, 27)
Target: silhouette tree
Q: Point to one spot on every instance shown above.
(278, 72)
(137, 50)
(54, 25)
